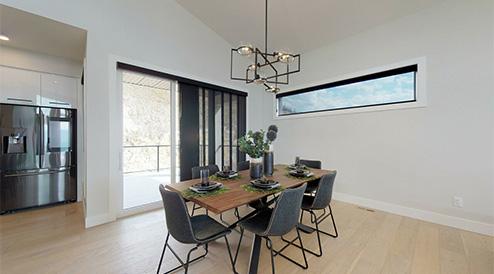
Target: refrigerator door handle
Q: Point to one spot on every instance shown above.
(31, 173)
(42, 134)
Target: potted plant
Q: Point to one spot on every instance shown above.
(258, 148)
(254, 145)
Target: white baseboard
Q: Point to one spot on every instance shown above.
(99, 220)
(429, 216)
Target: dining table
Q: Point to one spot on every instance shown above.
(236, 194)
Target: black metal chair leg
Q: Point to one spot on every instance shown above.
(269, 245)
(237, 214)
(163, 253)
(238, 247)
(334, 223)
(292, 242)
(193, 209)
(306, 265)
(186, 265)
(278, 252)
(230, 255)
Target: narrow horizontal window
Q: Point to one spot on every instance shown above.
(382, 88)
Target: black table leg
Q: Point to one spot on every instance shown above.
(254, 254)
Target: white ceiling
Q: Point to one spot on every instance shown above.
(298, 25)
(40, 34)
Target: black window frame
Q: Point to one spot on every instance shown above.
(373, 76)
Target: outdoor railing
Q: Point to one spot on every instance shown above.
(158, 162)
(158, 149)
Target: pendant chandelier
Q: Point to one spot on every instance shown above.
(269, 69)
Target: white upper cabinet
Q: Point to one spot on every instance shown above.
(58, 91)
(19, 86)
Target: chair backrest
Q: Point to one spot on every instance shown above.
(311, 163)
(177, 217)
(324, 191)
(286, 212)
(243, 165)
(196, 171)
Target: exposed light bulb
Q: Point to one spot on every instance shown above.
(273, 90)
(245, 50)
(259, 80)
(252, 67)
(285, 57)
(4, 37)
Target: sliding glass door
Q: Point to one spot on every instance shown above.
(147, 137)
(169, 125)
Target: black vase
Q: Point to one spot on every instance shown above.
(268, 163)
(255, 169)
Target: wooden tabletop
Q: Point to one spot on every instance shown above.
(236, 196)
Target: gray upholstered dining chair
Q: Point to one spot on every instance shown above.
(320, 201)
(277, 221)
(199, 230)
(196, 174)
(244, 165)
(312, 185)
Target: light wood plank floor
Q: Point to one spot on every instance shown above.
(53, 240)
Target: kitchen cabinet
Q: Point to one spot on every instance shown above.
(58, 91)
(18, 86)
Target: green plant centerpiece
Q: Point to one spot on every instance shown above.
(255, 144)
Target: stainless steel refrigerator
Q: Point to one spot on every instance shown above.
(37, 156)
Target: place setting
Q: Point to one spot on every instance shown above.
(225, 174)
(205, 187)
(299, 170)
(263, 185)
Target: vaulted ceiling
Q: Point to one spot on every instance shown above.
(40, 34)
(298, 25)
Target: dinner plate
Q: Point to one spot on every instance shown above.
(231, 174)
(266, 184)
(201, 189)
(300, 174)
(295, 167)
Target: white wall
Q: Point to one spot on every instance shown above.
(30, 60)
(156, 32)
(410, 158)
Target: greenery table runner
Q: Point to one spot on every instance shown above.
(296, 177)
(187, 194)
(219, 178)
(251, 188)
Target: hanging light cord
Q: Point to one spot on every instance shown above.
(266, 29)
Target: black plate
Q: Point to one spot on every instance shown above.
(225, 175)
(211, 186)
(264, 183)
(297, 173)
(293, 167)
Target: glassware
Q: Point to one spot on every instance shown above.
(204, 177)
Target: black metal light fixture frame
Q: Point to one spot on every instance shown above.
(266, 59)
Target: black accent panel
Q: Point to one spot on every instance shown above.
(242, 123)
(211, 129)
(189, 129)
